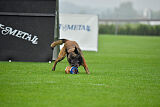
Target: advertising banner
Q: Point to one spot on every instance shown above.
(81, 28)
(26, 30)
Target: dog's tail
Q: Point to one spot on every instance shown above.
(58, 42)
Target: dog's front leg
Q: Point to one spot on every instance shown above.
(84, 64)
(86, 69)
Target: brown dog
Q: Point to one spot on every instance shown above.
(73, 52)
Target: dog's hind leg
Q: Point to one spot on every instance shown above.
(61, 56)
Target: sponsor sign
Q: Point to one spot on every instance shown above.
(26, 34)
(9, 31)
(81, 28)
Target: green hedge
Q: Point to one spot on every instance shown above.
(130, 29)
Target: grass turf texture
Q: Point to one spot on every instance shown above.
(124, 72)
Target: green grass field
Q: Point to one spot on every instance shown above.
(125, 72)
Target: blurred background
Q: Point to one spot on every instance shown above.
(129, 17)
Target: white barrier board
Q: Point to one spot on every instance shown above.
(81, 28)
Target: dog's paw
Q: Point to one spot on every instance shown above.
(53, 69)
(87, 72)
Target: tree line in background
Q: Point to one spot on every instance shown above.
(125, 10)
(130, 29)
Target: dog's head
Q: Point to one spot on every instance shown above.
(74, 57)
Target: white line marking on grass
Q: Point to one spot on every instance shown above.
(97, 84)
(51, 82)
(32, 82)
(35, 82)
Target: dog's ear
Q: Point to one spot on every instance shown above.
(76, 51)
